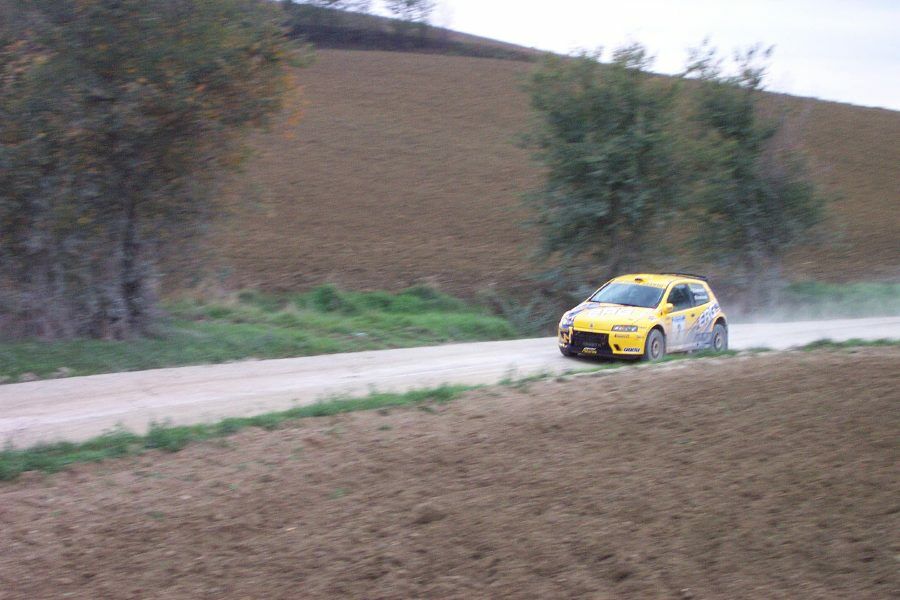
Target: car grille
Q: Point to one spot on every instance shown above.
(589, 339)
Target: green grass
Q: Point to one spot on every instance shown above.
(813, 299)
(257, 325)
(51, 458)
(849, 344)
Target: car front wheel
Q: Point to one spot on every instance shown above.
(655, 348)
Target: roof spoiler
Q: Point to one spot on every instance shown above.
(691, 275)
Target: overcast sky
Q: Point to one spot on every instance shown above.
(844, 50)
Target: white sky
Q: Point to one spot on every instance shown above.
(847, 50)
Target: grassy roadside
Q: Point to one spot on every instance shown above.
(849, 344)
(255, 325)
(51, 458)
(326, 320)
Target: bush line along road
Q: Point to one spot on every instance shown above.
(79, 408)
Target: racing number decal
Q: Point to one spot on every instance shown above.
(679, 323)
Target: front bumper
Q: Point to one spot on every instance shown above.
(602, 343)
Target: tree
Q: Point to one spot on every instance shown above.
(349, 5)
(603, 134)
(114, 117)
(411, 11)
(754, 200)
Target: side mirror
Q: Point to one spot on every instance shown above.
(669, 307)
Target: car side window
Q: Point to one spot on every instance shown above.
(680, 297)
(701, 296)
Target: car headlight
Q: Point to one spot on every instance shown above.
(567, 320)
(631, 328)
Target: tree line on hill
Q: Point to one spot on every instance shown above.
(410, 11)
(348, 24)
(355, 25)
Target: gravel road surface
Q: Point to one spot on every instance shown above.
(78, 408)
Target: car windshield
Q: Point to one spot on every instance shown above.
(629, 294)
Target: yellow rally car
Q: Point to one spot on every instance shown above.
(645, 316)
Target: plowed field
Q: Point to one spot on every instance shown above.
(404, 169)
(769, 476)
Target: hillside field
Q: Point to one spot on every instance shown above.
(404, 169)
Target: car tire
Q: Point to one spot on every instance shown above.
(719, 338)
(655, 346)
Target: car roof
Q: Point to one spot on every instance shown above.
(663, 279)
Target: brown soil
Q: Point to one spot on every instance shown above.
(405, 169)
(771, 476)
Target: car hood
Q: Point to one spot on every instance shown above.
(602, 317)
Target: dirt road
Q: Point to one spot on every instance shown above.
(79, 408)
(762, 476)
